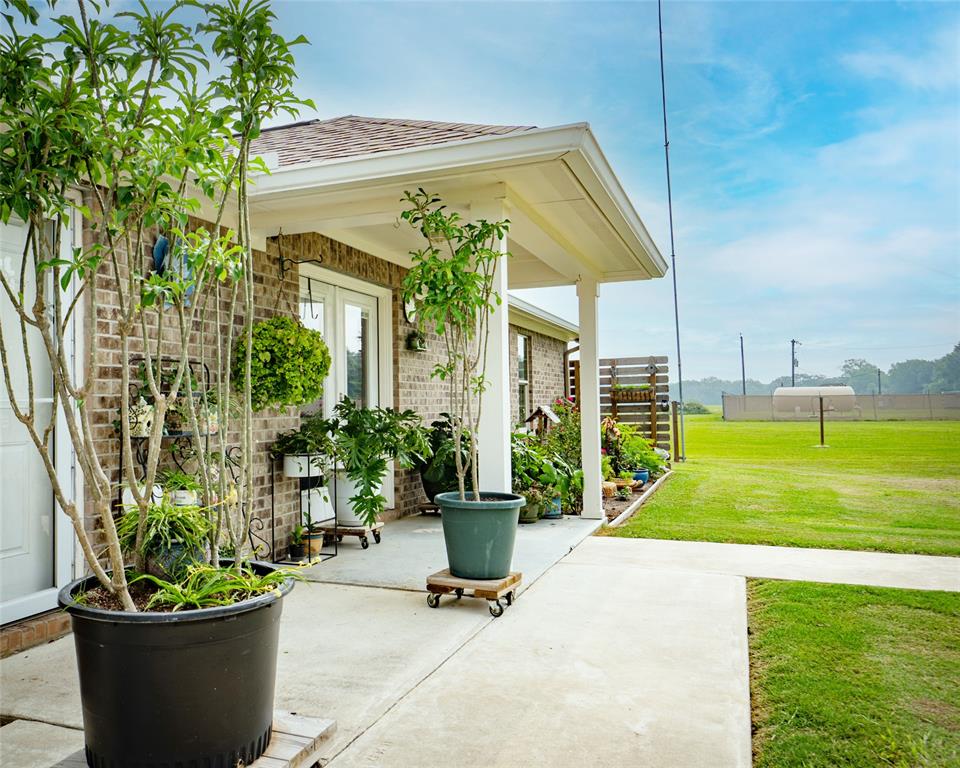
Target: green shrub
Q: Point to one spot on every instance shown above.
(288, 365)
(692, 406)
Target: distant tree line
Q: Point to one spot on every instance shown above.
(908, 377)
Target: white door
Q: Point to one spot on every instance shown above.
(352, 322)
(35, 543)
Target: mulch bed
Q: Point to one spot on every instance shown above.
(614, 506)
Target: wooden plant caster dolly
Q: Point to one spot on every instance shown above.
(443, 583)
(360, 531)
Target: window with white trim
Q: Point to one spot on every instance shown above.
(523, 375)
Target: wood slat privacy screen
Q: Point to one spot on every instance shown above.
(633, 371)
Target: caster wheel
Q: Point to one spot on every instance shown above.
(496, 609)
(509, 598)
(433, 600)
(459, 593)
(376, 536)
(364, 543)
(339, 539)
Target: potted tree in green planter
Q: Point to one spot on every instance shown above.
(110, 130)
(451, 284)
(364, 440)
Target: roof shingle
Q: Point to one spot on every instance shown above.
(351, 135)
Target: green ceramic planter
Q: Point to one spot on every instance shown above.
(530, 513)
(480, 534)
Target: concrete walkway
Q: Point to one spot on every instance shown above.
(626, 652)
(879, 569)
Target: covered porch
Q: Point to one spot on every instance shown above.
(571, 224)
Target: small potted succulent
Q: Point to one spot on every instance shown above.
(182, 488)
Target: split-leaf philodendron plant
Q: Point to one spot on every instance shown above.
(451, 283)
(113, 122)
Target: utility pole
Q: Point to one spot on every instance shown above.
(879, 385)
(793, 362)
(743, 368)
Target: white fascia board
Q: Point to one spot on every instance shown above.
(531, 317)
(510, 149)
(593, 158)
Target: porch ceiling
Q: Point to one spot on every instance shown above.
(569, 216)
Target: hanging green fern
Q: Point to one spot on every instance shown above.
(288, 365)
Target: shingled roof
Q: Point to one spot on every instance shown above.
(351, 135)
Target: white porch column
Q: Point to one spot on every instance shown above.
(588, 397)
(494, 434)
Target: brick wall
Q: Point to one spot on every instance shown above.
(105, 404)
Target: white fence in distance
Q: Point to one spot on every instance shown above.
(945, 407)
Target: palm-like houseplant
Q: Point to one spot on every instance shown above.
(109, 121)
(451, 283)
(364, 441)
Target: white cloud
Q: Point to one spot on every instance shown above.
(936, 68)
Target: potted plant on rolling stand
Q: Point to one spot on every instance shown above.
(364, 440)
(451, 283)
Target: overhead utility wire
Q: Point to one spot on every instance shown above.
(673, 255)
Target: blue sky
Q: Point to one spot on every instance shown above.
(815, 150)
(816, 165)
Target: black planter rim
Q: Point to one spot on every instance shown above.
(489, 500)
(67, 602)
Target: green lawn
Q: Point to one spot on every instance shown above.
(890, 486)
(854, 676)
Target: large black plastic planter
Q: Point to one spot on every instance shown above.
(191, 689)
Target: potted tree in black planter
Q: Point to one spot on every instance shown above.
(108, 126)
(451, 283)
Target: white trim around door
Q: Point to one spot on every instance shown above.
(336, 292)
(61, 531)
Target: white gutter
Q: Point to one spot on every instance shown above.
(575, 144)
(543, 321)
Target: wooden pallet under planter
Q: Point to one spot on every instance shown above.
(295, 743)
(443, 583)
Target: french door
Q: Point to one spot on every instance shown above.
(348, 321)
(35, 536)
(355, 320)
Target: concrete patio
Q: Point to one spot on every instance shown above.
(412, 548)
(625, 652)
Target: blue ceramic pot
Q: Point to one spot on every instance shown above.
(643, 475)
(553, 510)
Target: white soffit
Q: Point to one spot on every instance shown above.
(565, 203)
